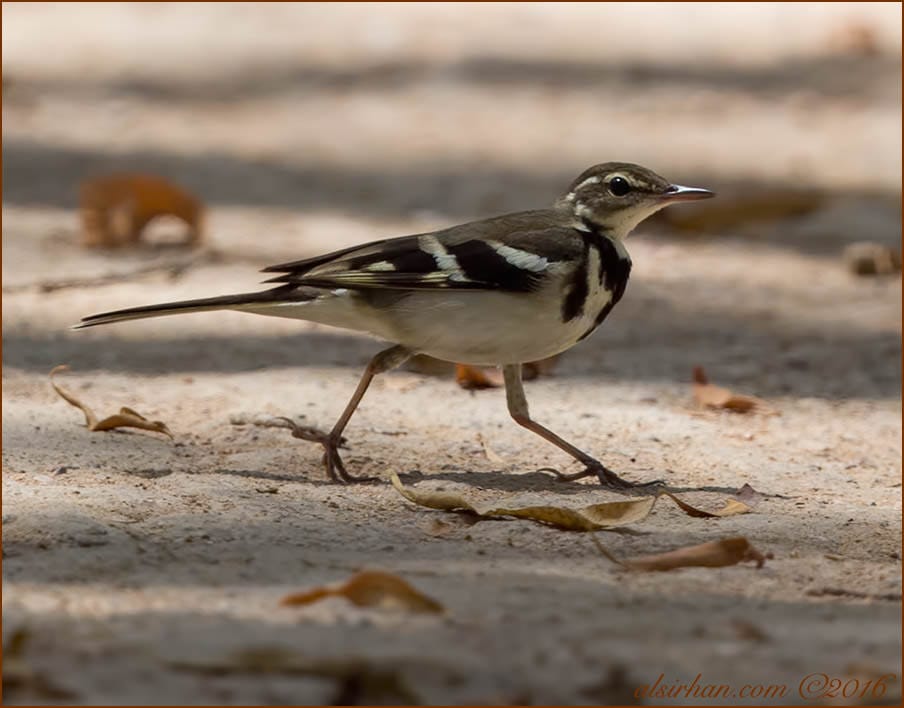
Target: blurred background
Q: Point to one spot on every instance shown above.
(308, 127)
(280, 131)
(387, 110)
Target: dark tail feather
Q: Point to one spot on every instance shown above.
(174, 308)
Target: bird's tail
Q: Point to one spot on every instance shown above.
(223, 302)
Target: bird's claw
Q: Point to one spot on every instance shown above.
(606, 477)
(332, 461)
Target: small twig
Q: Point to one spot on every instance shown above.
(303, 432)
(174, 268)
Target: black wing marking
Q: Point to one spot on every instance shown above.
(508, 253)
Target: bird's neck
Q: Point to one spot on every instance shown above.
(615, 226)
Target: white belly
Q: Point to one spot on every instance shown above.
(465, 326)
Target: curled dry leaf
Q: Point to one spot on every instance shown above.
(474, 378)
(115, 209)
(126, 418)
(370, 588)
(713, 396)
(732, 507)
(715, 554)
(589, 518)
(595, 517)
(477, 377)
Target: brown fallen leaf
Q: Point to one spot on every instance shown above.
(126, 418)
(589, 518)
(370, 588)
(732, 507)
(855, 38)
(116, 208)
(476, 377)
(713, 396)
(715, 554)
(868, 258)
(473, 378)
(595, 517)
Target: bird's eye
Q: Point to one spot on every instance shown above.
(619, 187)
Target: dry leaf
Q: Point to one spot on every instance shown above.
(855, 38)
(715, 554)
(608, 515)
(713, 396)
(370, 588)
(732, 507)
(868, 258)
(596, 517)
(115, 209)
(126, 418)
(589, 518)
(474, 378)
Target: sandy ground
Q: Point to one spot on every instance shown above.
(143, 570)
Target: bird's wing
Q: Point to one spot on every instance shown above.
(511, 253)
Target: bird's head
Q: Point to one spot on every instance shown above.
(616, 196)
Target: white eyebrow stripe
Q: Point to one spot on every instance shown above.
(445, 261)
(520, 259)
(590, 180)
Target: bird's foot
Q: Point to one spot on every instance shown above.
(332, 460)
(607, 478)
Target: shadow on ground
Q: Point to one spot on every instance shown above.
(645, 340)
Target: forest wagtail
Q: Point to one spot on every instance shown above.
(501, 291)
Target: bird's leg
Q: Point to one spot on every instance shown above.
(518, 409)
(384, 361)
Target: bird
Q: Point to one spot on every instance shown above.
(501, 291)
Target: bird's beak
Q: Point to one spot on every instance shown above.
(677, 193)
